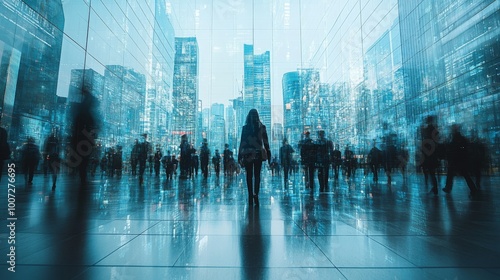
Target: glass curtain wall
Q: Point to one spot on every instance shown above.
(365, 71)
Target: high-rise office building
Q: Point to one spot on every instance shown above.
(133, 34)
(324, 108)
(292, 121)
(306, 103)
(217, 126)
(276, 138)
(199, 124)
(231, 128)
(185, 90)
(451, 70)
(205, 116)
(381, 101)
(123, 101)
(257, 83)
(30, 52)
(240, 115)
(309, 90)
(160, 69)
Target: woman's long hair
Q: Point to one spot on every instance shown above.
(253, 119)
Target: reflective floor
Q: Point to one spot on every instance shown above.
(205, 229)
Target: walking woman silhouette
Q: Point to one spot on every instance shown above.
(253, 150)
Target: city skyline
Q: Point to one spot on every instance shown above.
(224, 28)
(361, 72)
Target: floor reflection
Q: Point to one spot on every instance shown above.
(204, 228)
(253, 249)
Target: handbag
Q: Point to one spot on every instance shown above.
(263, 154)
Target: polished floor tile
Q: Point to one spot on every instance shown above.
(114, 228)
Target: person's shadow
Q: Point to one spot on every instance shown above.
(253, 251)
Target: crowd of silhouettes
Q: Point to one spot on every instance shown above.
(453, 154)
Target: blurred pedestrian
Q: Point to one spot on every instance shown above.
(204, 158)
(374, 160)
(308, 158)
(157, 161)
(30, 156)
(144, 150)
(286, 158)
(458, 160)
(349, 162)
(403, 159)
(185, 157)
(51, 151)
(324, 150)
(336, 161)
(226, 156)
(216, 159)
(86, 123)
(429, 152)
(118, 160)
(134, 157)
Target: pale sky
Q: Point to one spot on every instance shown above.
(322, 34)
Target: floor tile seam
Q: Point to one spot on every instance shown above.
(91, 234)
(219, 235)
(393, 250)
(119, 247)
(324, 254)
(383, 267)
(315, 244)
(182, 252)
(205, 266)
(413, 235)
(339, 235)
(48, 265)
(467, 236)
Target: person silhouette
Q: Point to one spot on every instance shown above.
(253, 150)
(30, 157)
(308, 158)
(204, 157)
(458, 160)
(286, 158)
(51, 152)
(429, 152)
(324, 149)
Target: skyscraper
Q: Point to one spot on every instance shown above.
(240, 115)
(123, 101)
(309, 90)
(451, 70)
(302, 103)
(257, 83)
(291, 107)
(217, 126)
(185, 90)
(160, 69)
(231, 129)
(30, 51)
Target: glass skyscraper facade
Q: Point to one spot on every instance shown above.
(123, 53)
(30, 49)
(185, 91)
(257, 81)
